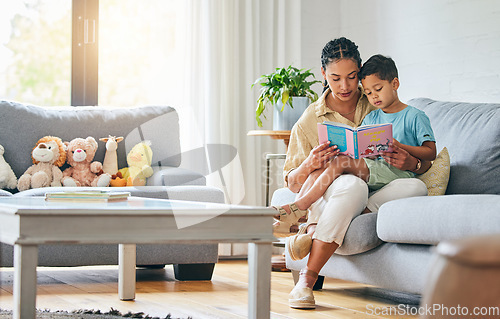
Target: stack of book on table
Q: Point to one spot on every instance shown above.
(87, 196)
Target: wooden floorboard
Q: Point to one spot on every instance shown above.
(159, 294)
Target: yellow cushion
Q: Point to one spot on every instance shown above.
(436, 178)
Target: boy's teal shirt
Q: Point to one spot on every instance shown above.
(410, 126)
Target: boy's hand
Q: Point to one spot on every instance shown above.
(396, 142)
(399, 158)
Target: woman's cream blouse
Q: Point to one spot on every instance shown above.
(304, 135)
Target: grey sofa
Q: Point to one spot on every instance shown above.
(392, 249)
(22, 125)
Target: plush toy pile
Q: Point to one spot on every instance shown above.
(50, 153)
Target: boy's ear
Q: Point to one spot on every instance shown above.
(395, 83)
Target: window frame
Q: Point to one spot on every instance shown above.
(85, 52)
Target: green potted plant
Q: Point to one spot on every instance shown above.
(285, 86)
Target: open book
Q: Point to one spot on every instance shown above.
(363, 141)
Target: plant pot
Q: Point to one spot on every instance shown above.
(284, 121)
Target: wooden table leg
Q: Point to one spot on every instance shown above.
(25, 262)
(259, 280)
(126, 266)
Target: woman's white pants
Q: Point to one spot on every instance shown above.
(348, 196)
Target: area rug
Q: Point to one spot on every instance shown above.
(86, 314)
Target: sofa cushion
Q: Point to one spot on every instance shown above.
(432, 219)
(5, 193)
(159, 124)
(171, 176)
(436, 178)
(361, 235)
(282, 196)
(471, 133)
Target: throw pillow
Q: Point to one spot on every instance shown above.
(436, 178)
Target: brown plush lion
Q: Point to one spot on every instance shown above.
(48, 155)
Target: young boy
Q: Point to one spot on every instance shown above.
(411, 127)
(411, 131)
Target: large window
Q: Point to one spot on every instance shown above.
(35, 51)
(124, 52)
(138, 52)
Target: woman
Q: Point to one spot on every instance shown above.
(342, 101)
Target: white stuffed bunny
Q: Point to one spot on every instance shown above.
(7, 177)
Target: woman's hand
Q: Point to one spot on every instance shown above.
(318, 158)
(320, 155)
(400, 158)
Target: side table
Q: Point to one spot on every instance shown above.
(270, 157)
(275, 135)
(278, 261)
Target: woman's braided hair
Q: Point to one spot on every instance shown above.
(340, 48)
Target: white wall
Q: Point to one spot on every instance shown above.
(444, 49)
(320, 24)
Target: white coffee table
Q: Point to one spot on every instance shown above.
(32, 221)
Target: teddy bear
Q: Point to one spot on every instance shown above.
(83, 171)
(139, 166)
(48, 155)
(7, 177)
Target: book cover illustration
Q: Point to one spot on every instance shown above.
(364, 141)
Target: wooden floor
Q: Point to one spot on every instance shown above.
(159, 294)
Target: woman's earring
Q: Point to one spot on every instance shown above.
(325, 84)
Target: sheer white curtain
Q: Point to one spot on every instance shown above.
(227, 45)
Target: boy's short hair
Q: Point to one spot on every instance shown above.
(384, 67)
